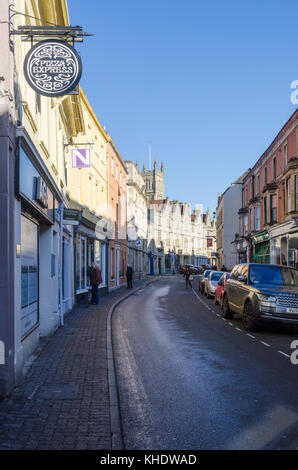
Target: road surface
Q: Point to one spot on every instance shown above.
(190, 380)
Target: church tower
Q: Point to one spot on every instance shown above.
(154, 181)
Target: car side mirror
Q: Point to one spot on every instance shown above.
(242, 278)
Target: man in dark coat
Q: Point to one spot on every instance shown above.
(129, 273)
(96, 279)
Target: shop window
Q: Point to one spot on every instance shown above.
(81, 263)
(29, 275)
(275, 251)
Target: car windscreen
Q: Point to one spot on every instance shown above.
(206, 273)
(273, 275)
(216, 276)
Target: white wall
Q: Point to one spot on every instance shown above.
(232, 204)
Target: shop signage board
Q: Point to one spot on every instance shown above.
(53, 68)
(81, 158)
(71, 216)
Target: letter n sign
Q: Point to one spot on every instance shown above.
(81, 158)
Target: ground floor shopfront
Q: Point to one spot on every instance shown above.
(117, 263)
(89, 250)
(43, 267)
(284, 243)
(139, 258)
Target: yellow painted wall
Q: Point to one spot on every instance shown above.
(89, 186)
(50, 122)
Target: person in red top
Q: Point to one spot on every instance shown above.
(96, 279)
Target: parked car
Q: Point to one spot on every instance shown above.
(220, 288)
(197, 270)
(190, 266)
(262, 293)
(202, 278)
(211, 283)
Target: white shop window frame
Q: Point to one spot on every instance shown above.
(81, 289)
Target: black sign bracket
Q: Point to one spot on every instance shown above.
(31, 33)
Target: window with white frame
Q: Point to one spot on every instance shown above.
(257, 217)
(289, 195)
(258, 185)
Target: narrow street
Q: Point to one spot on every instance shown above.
(190, 380)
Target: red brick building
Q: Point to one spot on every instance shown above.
(268, 219)
(117, 178)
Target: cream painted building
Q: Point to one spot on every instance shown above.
(137, 229)
(88, 192)
(179, 236)
(47, 263)
(37, 284)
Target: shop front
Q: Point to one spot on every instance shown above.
(284, 243)
(37, 308)
(261, 248)
(88, 249)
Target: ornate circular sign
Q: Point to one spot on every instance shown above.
(52, 68)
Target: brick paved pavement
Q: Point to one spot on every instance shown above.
(71, 365)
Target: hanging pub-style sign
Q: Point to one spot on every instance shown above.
(53, 68)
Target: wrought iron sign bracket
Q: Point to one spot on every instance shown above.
(30, 33)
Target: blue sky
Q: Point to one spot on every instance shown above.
(207, 83)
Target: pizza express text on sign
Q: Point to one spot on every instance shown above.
(53, 68)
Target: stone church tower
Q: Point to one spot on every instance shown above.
(154, 180)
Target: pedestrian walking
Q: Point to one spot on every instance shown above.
(129, 275)
(96, 279)
(188, 278)
(223, 268)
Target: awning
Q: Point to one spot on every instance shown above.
(260, 238)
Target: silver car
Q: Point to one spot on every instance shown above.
(211, 283)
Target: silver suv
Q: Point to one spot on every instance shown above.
(260, 293)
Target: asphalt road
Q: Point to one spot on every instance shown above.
(190, 380)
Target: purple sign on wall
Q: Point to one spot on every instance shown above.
(81, 158)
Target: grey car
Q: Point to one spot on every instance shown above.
(262, 293)
(202, 279)
(211, 283)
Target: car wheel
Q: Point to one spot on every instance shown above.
(249, 322)
(225, 309)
